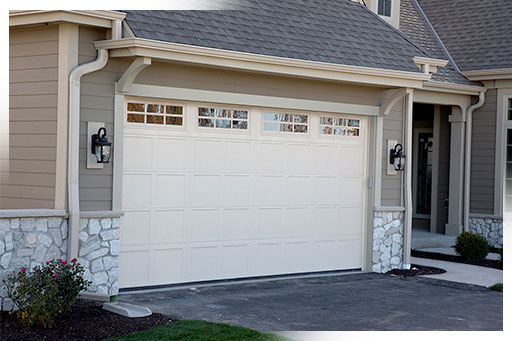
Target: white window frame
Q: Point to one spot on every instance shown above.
(218, 129)
(502, 125)
(156, 101)
(320, 125)
(285, 133)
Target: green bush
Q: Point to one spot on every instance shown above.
(500, 251)
(471, 246)
(47, 292)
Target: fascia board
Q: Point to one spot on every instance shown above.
(453, 88)
(490, 74)
(132, 47)
(92, 18)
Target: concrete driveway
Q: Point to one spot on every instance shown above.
(363, 301)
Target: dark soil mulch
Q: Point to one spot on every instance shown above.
(87, 321)
(416, 270)
(496, 264)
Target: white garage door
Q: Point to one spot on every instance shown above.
(214, 192)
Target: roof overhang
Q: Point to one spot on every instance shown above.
(453, 88)
(166, 51)
(86, 17)
(490, 74)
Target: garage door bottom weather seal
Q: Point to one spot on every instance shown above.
(237, 280)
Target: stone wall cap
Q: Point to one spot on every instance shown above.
(101, 214)
(485, 216)
(32, 213)
(389, 209)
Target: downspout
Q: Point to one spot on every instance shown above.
(408, 182)
(74, 147)
(467, 172)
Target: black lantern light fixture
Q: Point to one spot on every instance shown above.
(396, 156)
(100, 146)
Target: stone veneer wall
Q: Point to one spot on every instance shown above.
(32, 238)
(488, 226)
(388, 240)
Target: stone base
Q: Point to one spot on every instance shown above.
(388, 241)
(490, 227)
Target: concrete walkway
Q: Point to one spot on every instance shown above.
(451, 251)
(462, 273)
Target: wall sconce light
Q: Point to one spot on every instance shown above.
(100, 146)
(396, 156)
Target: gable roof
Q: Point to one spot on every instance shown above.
(414, 24)
(332, 31)
(477, 33)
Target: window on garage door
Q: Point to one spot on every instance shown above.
(154, 113)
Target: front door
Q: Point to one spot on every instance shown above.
(422, 177)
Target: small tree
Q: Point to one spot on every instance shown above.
(471, 246)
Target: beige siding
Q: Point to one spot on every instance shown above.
(33, 64)
(97, 104)
(482, 156)
(444, 168)
(393, 130)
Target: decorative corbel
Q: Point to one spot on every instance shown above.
(124, 83)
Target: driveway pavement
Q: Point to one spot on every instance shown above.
(363, 301)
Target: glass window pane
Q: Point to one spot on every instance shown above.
(239, 124)
(223, 113)
(352, 132)
(286, 127)
(339, 121)
(339, 131)
(155, 119)
(285, 117)
(174, 110)
(240, 114)
(175, 121)
(223, 124)
(268, 126)
(325, 130)
(155, 108)
(136, 118)
(208, 112)
(299, 128)
(136, 107)
(300, 118)
(326, 120)
(270, 117)
(510, 108)
(205, 122)
(353, 123)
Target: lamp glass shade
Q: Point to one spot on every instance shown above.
(102, 152)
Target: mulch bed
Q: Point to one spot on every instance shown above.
(496, 264)
(87, 321)
(416, 270)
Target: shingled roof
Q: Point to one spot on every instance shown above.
(333, 31)
(414, 24)
(477, 33)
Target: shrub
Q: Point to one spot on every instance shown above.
(47, 292)
(500, 251)
(471, 246)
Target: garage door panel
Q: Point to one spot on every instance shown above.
(136, 190)
(350, 253)
(326, 221)
(136, 227)
(208, 155)
(237, 190)
(203, 264)
(326, 160)
(207, 190)
(205, 225)
(171, 154)
(350, 191)
(237, 224)
(134, 268)
(234, 260)
(298, 159)
(298, 222)
(169, 190)
(140, 156)
(325, 190)
(270, 158)
(270, 190)
(269, 222)
(168, 226)
(297, 256)
(167, 266)
(268, 258)
(350, 161)
(350, 220)
(298, 190)
(238, 156)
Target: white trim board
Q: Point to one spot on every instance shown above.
(250, 100)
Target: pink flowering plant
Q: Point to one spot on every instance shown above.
(47, 292)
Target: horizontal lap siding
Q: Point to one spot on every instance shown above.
(33, 71)
(483, 155)
(393, 130)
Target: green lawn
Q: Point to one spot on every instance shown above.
(199, 330)
(497, 287)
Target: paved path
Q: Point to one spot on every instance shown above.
(462, 273)
(451, 251)
(365, 301)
